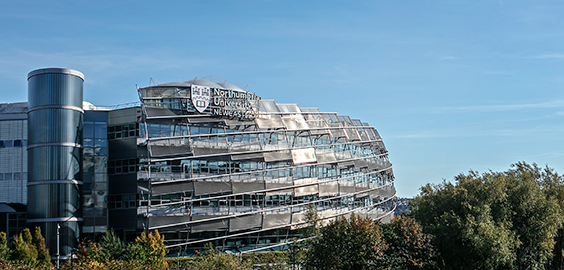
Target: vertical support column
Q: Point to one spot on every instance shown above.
(55, 156)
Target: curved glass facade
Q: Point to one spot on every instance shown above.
(55, 155)
(216, 163)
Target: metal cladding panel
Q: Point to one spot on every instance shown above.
(173, 187)
(328, 189)
(295, 121)
(201, 187)
(298, 218)
(247, 156)
(388, 191)
(156, 221)
(217, 225)
(346, 189)
(325, 155)
(373, 165)
(245, 147)
(360, 163)
(245, 223)
(345, 164)
(202, 151)
(270, 185)
(156, 112)
(269, 121)
(275, 220)
(239, 187)
(308, 190)
(165, 150)
(277, 156)
(374, 193)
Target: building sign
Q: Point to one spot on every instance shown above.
(226, 103)
(200, 97)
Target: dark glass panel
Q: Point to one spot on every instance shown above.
(88, 130)
(100, 130)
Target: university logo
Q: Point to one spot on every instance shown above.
(200, 97)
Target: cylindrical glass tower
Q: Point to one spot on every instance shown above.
(55, 156)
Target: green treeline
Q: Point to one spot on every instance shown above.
(25, 249)
(493, 220)
(496, 220)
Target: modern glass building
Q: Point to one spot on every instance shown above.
(202, 161)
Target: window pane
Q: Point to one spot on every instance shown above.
(89, 116)
(101, 117)
(101, 143)
(88, 130)
(101, 130)
(88, 142)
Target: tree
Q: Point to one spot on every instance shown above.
(112, 246)
(43, 257)
(496, 220)
(4, 251)
(215, 259)
(21, 251)
(354, 243)
(408, 247)
(149, 249)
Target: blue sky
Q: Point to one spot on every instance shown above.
(450, 85)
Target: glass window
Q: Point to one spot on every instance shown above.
(17, 176)
(1, 177)
(1, 144)
(88, 142)
(24, 143)
(101, 151)
(100, 130)
(88, 130)
(89, 116)
(101, 117)
(100, 142)
(17, 143)
(8, 143)
(8, 176)
(100, 164)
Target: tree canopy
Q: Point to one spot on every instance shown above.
(494, 220)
